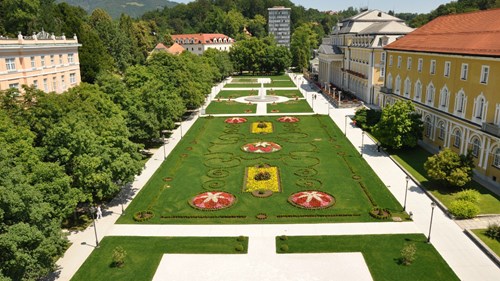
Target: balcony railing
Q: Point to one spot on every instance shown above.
(386, 90)
(491, 128)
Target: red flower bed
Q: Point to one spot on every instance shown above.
(235, 120)
(261, 147)
(214, 200)
(311, 199)
(288, 119)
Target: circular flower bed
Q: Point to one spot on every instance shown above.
(235, 120)
(311, 199)
(288, 119)
(261, 147)
(262, 193)
(211, 201)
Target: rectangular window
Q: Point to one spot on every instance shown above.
(33, 62)
(382, 71)
(51, 59)
(45, 85)
(400, 59)
(72, 78)
(390, 60)
(70, 58)
(42, 59)
(433, 67)
(54, 84)
(10, 63)
(408, 63)
(60, 59)
(63, 84)
(464, 72)
(382, 58)
(14, 86)
(485, 72)
(35, 84)
(420, 64)
(447, 68)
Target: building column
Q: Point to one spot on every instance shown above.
(481, 157)
(487, 153)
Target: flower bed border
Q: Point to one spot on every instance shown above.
(315, 208)
(139, 219)
(190, 202)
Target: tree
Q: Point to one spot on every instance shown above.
(247, 54)
(304, 40)
(399, 126)
(449, 167)
(21, 15)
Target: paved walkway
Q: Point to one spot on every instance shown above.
(468, 262)
(479, 222)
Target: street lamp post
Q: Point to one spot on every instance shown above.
(92, 212)
(123, 211)
(164, 151)
(406, 192)
(340, 93)
(433, 205)
(362, 142)
(345, 125)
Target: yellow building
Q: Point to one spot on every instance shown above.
(352, 59)
(449, 68)
(48, 62)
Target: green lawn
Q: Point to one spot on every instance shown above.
(230, 107)
(286, 93)
(280, 83)
(242, 85)
(314, 156)
(144, 255)
(493, 244)
(413, 160)
(236, 94)
(381, 253)
(292, 106)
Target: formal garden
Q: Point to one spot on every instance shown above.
(263, 170)
(388, 257)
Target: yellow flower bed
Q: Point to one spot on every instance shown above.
(267, 130)
(272, 184)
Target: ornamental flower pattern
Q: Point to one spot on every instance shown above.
(214, 200)
(262, 127)
(272, 184)
(235, 120)
(288, 119)
(311, 199)
(261, 147)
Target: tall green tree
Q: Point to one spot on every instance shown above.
(304, 40)
(399, 126)
(20, 15)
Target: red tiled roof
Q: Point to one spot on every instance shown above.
(201, 38)
(476, 33)
(160, 46)
(176, 49)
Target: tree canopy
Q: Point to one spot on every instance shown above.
(450, 168)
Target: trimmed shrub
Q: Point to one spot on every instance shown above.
(241, 238)
(469, 195)
(462, 209)
(284, 248)
(283, 237)
(408, 254)
(239, 248)
(119, 255)
(143, 215)
(493, 231)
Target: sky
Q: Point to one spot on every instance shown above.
(400, 6)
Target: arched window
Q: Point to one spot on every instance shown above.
(444, 97)
(431, 91)
(480, 104)
(460, 104)
(458, 138)
(407, 87)
(442, 130)
(476, 147)
(496, 158)
(398, 85)
(389, 81)
(428, 127)
(418, 90)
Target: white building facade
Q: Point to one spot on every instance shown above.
(199, 43)
(279, 24)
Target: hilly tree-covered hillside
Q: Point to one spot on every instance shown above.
(115, 8)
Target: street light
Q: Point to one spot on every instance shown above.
(92, 212)
(406, 192)
(345, 126)
(164, 151)
(362, 142)
(433, 205)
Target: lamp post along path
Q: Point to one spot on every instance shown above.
(433, 205)
(406, 192)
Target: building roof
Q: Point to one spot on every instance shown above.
(202, 38)
(476, 33)
(388, 27)
(175, 49)
(365, 21)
